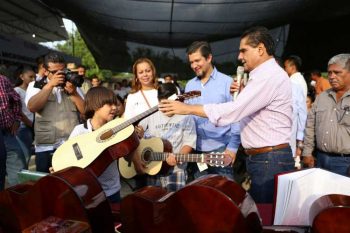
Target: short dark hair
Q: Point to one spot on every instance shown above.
(81, 66)
(166, 90)
(95, 76)
(316, 72)
(202, 46)
(96, 97)
(257, 35)
(53, 57)
(40, 60)
(168, 75)
(295, 60)
(312, 97)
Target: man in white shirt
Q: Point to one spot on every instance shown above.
(292, 65)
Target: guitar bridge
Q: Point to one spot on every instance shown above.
(77, 151)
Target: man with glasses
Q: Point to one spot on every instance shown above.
(328, 123)
(56, 104)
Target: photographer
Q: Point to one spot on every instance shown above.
(55, 100)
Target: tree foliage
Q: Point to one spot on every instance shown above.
(76, 46)
(164, 61)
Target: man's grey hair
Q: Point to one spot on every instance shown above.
(343, 60)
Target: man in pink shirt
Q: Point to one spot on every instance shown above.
(263, 108)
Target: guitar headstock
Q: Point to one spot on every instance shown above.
(188, 95)
(218, 159)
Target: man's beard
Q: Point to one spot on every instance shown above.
(200, 74)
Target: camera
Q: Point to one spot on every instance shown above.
(73, 77)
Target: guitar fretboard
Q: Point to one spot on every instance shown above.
(161, 156)
(134, 119)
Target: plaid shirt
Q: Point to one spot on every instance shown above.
(10, 104)
(172, 181)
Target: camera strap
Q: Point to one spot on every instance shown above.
(40, 83)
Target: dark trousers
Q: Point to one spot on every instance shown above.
(115, 198)
(43, 160)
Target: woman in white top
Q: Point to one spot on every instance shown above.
(24, 76)
(143, 93)
(143, 96)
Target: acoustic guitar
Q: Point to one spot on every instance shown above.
(330, 214)
(72, 194)
(154, 151)
(116, 139)
(209, 204)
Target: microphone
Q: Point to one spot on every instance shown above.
(240, 74)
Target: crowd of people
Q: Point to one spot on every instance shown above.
(273, 121)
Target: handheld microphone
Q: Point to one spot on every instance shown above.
(240, 74)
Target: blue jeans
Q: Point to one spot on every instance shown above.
(2, 161)
(15, 160)
(263, 167)
(25, 134)
(43, 160)
(339, 165)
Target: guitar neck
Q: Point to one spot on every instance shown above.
(161, 156)
(135, 119)
(139, 117)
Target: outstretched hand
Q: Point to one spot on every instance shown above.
(171, 107)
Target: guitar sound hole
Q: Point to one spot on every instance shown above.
(146, 155)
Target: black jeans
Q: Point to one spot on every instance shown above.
(43, 160)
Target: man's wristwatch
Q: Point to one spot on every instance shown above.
(300, 144)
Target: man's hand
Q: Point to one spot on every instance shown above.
(232, 154)
(70, 89)
(56, 79)
(235, 86)
(171, 161)
(14, 127)
(309, 161)
(171, 107)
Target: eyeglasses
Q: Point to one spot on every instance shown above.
(53, 71)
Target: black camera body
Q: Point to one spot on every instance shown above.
(73, 77)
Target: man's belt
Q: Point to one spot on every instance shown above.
(261, 150)
(335, 154)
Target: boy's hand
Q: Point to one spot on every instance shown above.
(171, 161)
